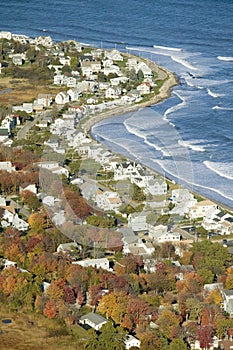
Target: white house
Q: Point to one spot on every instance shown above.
(137, 221)
(7, 166)
(114, 55)
(45, 100)
(156, 231)
(31, 187)
(2, 201)
(62, 98)
(108, 200)
(19, 223)
(201, 209)
(93, 320)
(113, 92)
(144, 88)
(124, 170)
(102, 263)
(68, 247)
(169, 237)
(130, 341)
(227, 296)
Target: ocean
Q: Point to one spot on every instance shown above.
(188, 137)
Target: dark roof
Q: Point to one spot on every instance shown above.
(229, 219)
(4, 132)
(221, 214)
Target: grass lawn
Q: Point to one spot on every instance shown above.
(17, 91)
(35, 332)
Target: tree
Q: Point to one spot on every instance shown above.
(37, 221)
(204, 335)
(206, 274)
(30, 199)
(95, 294)
(92, 342)
(50, 309)
(153, 340)
(167, 321)
(212, 256)
(194, 307)
(111, 338)
(177, 344)
(223, 326)
(108, 304)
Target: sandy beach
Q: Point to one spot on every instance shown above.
(170, 80)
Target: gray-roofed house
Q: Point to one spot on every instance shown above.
(93, 320)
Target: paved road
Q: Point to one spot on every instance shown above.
(22, 133)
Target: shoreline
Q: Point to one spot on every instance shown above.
(165, 92)
(171, 80)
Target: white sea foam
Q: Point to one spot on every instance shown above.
(225, 58)
(222, 169)
(178, 175)
(223, 108)
(167, 48)
(213, 94)
(191, 145)
(183, 62)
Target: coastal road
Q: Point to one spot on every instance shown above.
(22, 133)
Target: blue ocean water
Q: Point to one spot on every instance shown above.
(188, 137)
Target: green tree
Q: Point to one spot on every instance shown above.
(212, 256)
(206, 274)
(138, 194)
(111, 338)
(177, 344)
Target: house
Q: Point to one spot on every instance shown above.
(155, 187)
(227, 296)
(209, 287)
(32, 188)
(108, 200)
(2, 201)
(10, 218)
(114, 55)
(54, 167)
(18, 59)
(155, 231)
(130, 341)
(144, 88)
(201, 209)
(113, 92)
(137, 221)
(59, 79)
(168, 237)
(101, 263)
(5, 35)
(4, 134)
(124, 170)
(114, 69)
(25, 107)
(7, 166)
(93, 320)
(19, 223)
(74, 94)
(45, 100)
(71, 82)
(62, 98)
(68, 247)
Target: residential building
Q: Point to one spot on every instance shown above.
(93, 320)
(130, 341)
(101, 263)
